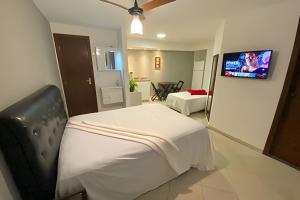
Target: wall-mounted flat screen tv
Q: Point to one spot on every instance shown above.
(248, 64)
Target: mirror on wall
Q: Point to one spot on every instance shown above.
(211, 86)
(105, 58)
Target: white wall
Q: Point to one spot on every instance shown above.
(208, 67)
(175, 66)
(27, 63)
(123, 61)
(145, 44)
(8, 190)
(137, 43)
(99, 37)
(245, 108)
(218, 39)
(213, 48)
(26, 51)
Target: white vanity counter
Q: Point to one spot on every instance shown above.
(144, 86)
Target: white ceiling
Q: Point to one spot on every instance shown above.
(184, 21)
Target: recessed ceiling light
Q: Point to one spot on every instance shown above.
(161, 35)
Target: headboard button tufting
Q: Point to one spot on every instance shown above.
(50, 141)
(30, 135)
(44, 154)
(36, 132)
(54, 131)
(44, 120)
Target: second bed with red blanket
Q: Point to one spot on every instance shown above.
(186, 103)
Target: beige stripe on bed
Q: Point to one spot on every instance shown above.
(114, 135)
(158, 144)
(132, 131)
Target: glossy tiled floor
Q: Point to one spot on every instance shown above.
(241, 173)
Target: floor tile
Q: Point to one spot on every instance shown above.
(242, 173)
(217, 180)
(160, 193)
(181, 190)
(215, 194)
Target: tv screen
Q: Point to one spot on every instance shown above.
(248, 64)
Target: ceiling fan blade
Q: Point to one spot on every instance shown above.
(155, 3)
(115, 4)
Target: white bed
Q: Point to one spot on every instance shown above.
(186, 103)
(114, 169)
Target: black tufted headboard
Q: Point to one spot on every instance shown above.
(30, 135)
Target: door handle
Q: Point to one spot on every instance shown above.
(89, 81)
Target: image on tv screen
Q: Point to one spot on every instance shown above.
(251, 64)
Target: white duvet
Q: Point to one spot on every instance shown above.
(115, 169)
(186, 103)
(157, 142)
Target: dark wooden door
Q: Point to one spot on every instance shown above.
(76, 68)
(284, 140)
(286, 145)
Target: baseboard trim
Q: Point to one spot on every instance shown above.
(235, 139)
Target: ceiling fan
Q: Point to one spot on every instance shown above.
(138, 12)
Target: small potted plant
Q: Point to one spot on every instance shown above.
(132, 85)
(135, 96)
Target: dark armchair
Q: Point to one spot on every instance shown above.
(178, 86)
(157, 93)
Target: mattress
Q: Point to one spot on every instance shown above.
(186, 103)
(114, 169)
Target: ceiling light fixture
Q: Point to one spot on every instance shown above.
(161, 35)
(136, 25)
(138, 12)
